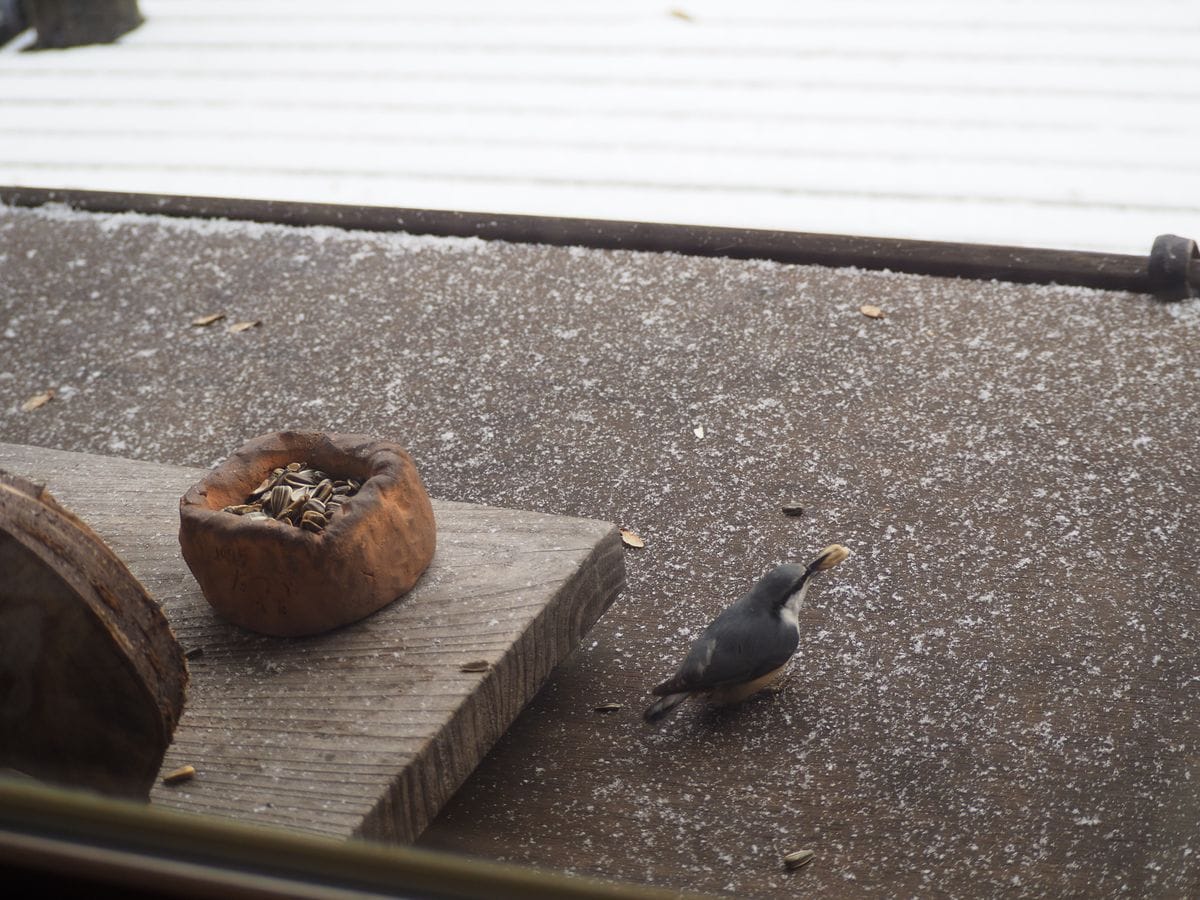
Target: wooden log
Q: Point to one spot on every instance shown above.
(91, 678)
(369, 729)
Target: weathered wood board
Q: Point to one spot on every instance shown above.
(369, 729)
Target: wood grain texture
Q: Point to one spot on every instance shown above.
(367, 730)
(91, 679)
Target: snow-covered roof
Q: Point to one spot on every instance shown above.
(1050, 123)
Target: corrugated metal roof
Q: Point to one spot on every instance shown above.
(1057, 123)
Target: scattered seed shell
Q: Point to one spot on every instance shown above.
(607, 707)
(267, 484)
(244, 326)
(478, 665)
(682, 15)
(183, 773)
(871, 312)
(205, 321)
(793, 508)
(36, 401)
(797, 860)
(630, 539)
(194, 653)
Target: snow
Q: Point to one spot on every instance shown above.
(1020, 123)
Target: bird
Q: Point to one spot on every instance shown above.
(746, 647)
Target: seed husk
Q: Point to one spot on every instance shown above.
(176, 776)
(607, 707)
(477, 665)
(37, 401)
(630, 539)
(238, 327)
(798, 859)
(871, 311)
(832, 555)
(205, 321)
(793, 508)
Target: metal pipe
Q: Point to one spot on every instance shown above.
(1112, 271)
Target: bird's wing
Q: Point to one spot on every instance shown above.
(732, 650)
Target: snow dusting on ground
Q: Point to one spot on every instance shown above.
(994, 693)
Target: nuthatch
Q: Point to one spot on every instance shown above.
(747, 646)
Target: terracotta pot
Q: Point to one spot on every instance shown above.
(281, 580)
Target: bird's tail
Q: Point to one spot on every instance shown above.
(663, 705)
(827, 558)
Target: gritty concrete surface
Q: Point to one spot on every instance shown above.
(995, 693)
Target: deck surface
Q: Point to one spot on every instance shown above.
(366, 730)
(996, 692)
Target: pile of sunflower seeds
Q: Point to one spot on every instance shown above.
(298, 495)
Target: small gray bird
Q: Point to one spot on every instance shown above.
(747, 646)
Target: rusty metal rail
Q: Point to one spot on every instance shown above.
(1171, 271)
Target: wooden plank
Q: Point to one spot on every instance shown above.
(367, 730)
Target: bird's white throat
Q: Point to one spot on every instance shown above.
(793, 605)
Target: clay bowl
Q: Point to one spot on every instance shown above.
(277, 579)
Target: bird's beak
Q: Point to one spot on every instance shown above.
(828, 558)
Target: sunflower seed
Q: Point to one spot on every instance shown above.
(607, 707)
(267, 484)
(478, 665)
(205, 321)
(313, 521)
(299, 495)
(797, 860)
(293, 510)
(183, 773)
